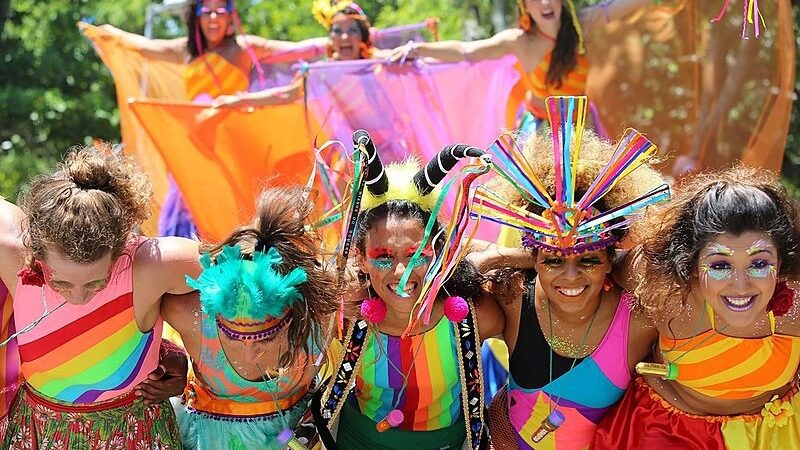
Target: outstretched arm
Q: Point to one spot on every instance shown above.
(497, 46)
(610, 10)
(284, 51)
(274, 96)
(171, 50)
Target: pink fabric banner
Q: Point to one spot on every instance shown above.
(415, 108)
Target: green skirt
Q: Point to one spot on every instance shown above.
(35, 421)
(357, 431)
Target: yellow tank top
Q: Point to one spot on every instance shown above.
(213, 75)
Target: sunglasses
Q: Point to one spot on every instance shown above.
(206, 11)
(338, 31)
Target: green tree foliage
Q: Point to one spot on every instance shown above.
(55, 92)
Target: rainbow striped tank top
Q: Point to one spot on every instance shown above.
(584, 394)
(9, 355)
(216, 389)
(85, 353)
(431, 399)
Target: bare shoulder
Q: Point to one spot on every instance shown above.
(249, 39)
(167, 250)
(11, 240)
(177, 309)
(641, 327)
(510, 35)
(491, 318)
(11, 217)
(162, 263)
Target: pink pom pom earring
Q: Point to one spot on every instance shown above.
(456, 309)
(373, 310)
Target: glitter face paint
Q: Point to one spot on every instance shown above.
(382, 259)
(717, 271)
(720, 249)
(757, 247)
(762, 269)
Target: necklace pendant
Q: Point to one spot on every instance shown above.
(667, 371)
(393, 419)
(549, 425)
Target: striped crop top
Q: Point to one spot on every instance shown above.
(727, 367)
(218, 390)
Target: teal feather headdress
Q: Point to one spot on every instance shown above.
(248, 297)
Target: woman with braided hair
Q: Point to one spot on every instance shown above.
(399, 386)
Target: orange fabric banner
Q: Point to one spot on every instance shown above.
(137, 76)
(227, 156)
(704, 95)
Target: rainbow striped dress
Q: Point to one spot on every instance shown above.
(431, 399)
(80, 365)
(9, 356)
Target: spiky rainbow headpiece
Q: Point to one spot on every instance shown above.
(325, 10)
(568, 225)
(249, 299)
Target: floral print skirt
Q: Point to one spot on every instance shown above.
(37, 422)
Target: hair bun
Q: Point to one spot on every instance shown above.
(89, 170)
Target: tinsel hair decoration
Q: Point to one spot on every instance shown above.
(751, 15)
(569, 225)
(247, 296)
(372, 187)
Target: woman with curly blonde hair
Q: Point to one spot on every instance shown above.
(87, 290)
(712, 274)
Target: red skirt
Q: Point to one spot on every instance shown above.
(644, 420)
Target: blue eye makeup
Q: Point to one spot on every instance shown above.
(718, 271)
(382, 263)
(761, 269)
(423, 260)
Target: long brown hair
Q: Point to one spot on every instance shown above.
(282, 220)
(564, 56)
